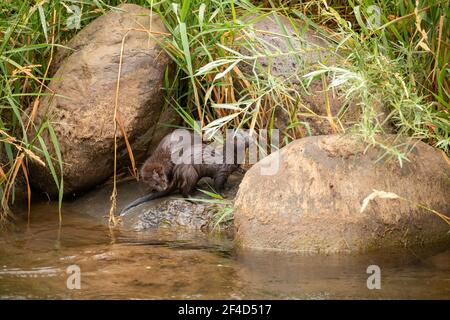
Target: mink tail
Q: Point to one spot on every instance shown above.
(143, 199)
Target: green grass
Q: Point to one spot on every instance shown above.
(221, 209)
(30, 31)
(402, 64)
(395, 65)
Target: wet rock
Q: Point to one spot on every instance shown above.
(84, 84)
(176, 213)
(172, 212)
(313, 202)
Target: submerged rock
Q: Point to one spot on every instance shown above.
(81, 100)
(313, 202)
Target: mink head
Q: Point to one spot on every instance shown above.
(155, 177)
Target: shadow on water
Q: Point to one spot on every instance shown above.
(163, 264)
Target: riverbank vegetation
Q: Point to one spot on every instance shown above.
(393, 53)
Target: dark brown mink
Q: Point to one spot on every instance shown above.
(163, 176)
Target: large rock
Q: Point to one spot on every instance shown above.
(84, 83)
(313, 202)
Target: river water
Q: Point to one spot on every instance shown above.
(162, 264)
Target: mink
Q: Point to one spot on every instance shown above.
(163, 176)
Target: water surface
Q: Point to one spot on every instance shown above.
(161, 264)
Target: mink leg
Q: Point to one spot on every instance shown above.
(219, 183)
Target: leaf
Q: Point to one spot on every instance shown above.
(201, 15)
(221, 121)
(423, 45)
(222, 74)
(213, 15)
(49, 161)
(175, 10)
(211, 194)
(43, 21)
(316, 73)
(231, 106)
(377, 194)
(185, 9)
(212, 65)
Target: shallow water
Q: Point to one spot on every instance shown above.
(160, 264)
